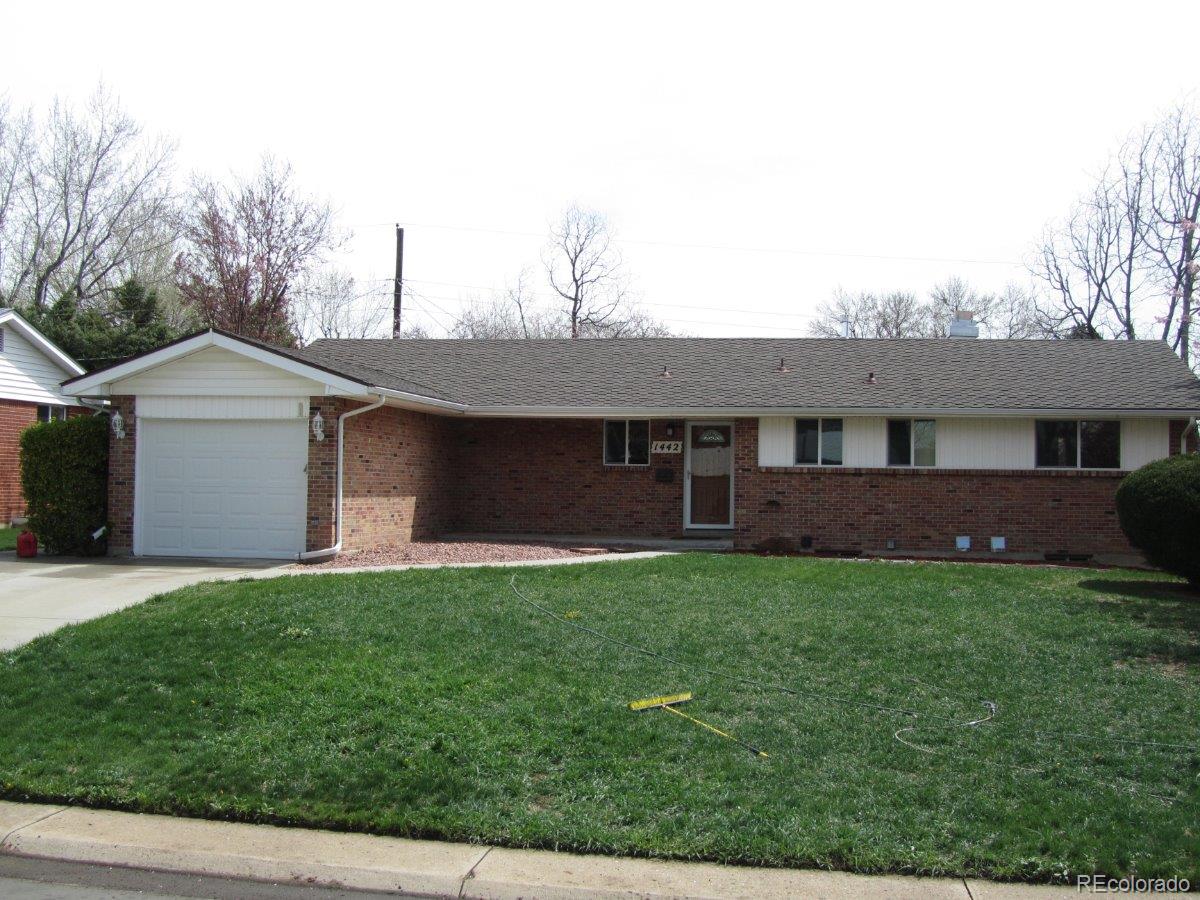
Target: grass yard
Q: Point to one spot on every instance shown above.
(8, 538)
(438, 704)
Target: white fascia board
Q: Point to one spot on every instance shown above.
(13, 318)
(97, 385)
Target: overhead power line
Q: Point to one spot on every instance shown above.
(742, 311)
(731, 248)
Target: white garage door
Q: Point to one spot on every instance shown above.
(222, 488)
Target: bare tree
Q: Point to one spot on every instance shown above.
(85, 202)
(16, 148)
(330, 304)
(1013, 314)
(248, 247)
(866, 315)
(634, 323)
(514, 313)
(585, 270)
(1093, 263)
(1173, 218)
(899, 314)
(1124, 264)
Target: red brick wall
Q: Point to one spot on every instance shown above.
(398, 478)
(120, 480)
(548, 475)
(397, 482)
(923, 509)
(15, 416)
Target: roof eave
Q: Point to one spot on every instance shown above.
(48, 347)
(724, 412)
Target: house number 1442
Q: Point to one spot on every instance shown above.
(666, 447)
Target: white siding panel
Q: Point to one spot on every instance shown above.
(985, 443)
(776, 441)
(28, 374)
(217, 372)
(152, 407)
(865, 441)
(1143, 441)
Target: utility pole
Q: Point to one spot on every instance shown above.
(399, 286)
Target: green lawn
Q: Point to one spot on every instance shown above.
(438, 704)
(8, 538)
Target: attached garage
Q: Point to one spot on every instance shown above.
(214, 435)
(221, 488)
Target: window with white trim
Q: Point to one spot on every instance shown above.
(627, 442)
(1078, 444)
(912, 442)
(47, 413)
(818, 442)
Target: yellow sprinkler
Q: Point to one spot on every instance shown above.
(667, 703)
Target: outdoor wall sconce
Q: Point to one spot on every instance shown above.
(318, 427)
(117, 423)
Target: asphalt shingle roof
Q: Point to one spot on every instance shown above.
(730, 373)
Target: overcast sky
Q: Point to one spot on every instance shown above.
(752, 157)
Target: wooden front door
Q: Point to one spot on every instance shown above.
(709, 475)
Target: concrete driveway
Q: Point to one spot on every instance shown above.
(41, 594)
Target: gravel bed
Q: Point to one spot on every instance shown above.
(453, 552)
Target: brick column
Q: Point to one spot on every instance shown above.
(121, 468)
(322, 475)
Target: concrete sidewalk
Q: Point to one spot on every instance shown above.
(365, 862)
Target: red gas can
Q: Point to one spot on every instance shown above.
(26, 544)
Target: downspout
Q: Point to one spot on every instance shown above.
(1193, 422)
(309, 555)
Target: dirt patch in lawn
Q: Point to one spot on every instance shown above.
(454, 552)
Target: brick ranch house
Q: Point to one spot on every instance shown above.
(223, 446)
(31, 369)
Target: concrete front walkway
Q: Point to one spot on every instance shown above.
(367, 862)
(44, 593)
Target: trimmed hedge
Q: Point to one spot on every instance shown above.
(64, 476)
(1159, 509)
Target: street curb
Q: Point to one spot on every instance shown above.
(434, 868)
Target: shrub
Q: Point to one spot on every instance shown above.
(1159, 509)
(64, 476)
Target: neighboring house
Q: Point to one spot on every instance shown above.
(31, 369)
(229, 447)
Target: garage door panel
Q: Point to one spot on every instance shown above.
(222, 488)
(170, 537)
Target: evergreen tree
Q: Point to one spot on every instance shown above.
(129, 322)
